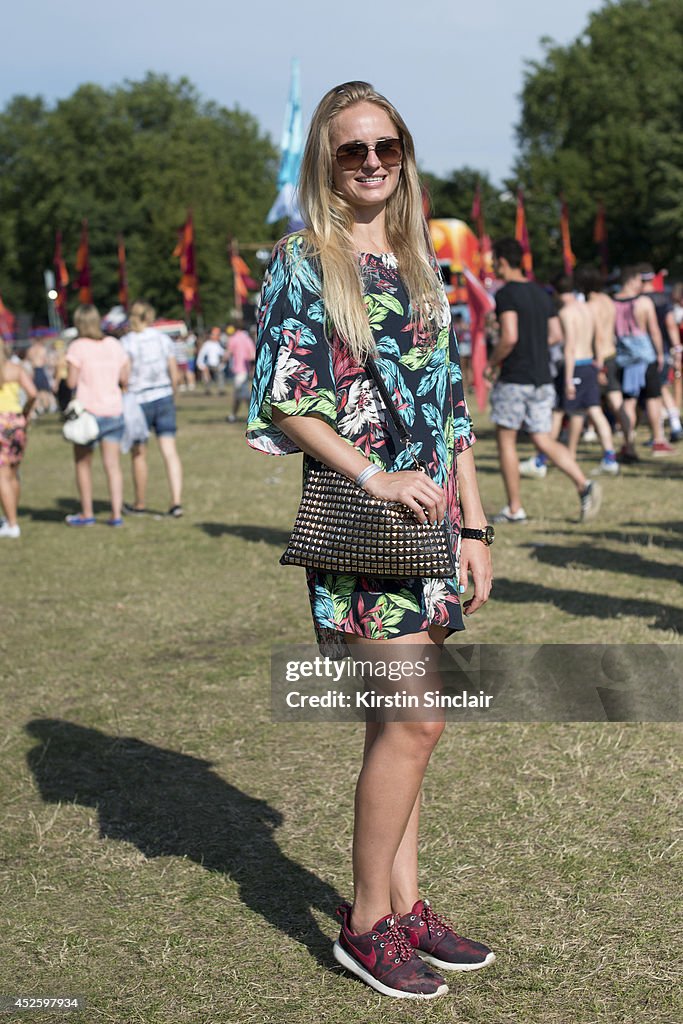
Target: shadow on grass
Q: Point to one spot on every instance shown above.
(173, 805)
(580, 602)
(589, 557)
(254, 534)
(649, 535)
(62, 507)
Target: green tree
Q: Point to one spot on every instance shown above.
(602, 120)
(131, 159)
(453, 196)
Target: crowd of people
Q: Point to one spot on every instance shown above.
(125, 372)
(575, 358)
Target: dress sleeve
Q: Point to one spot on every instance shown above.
(293, 370)
(463, 434)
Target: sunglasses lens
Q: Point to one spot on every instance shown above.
(352, 155)
(389, 152)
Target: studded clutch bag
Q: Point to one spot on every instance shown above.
(340, 528)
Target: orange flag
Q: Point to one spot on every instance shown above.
(61, 279)
(522, 236)
(82, 281)
(568, 256)
(188, 284)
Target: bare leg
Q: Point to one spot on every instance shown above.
(174, 469)
(560, 456)
(9, 493)
(629, 413)
(509, 465)
(139, 465)
(83, 459)
(575, 431)
(387, 805)
(601, 424)
(111, 459)
(653, 407)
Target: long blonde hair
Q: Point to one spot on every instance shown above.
(329, 221)
(142, 314)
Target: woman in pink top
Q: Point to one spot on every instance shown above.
(98, 369)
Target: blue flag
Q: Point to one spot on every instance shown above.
(291, 152)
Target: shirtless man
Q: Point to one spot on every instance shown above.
(640, 359)
(581, 393)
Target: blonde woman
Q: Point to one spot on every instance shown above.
(154, 380)
(361, 280)
(98, 369)
(14, 419)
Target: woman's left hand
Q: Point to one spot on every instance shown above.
(475, 558)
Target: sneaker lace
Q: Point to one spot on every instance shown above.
(435, 921)
(395, 934)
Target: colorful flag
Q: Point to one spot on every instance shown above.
(568, 257)
(188, 284)
(522, 236)
(600, 239)
(291, 153)
(243, 281)
(7, 321)
(61, 280)
(82, 281)
(480, 303)
(123, 276)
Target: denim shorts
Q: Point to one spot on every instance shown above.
(111, 428)
(160, 416)
(523, 405)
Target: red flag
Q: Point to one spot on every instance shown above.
(568, 256)
(188, 284)
(123, 276)
(61, 279)
(6, 322)
(82, 281)
(480, 303)
(522, 236)
(478, 221)
(600, 239)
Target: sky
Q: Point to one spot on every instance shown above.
(454, 69)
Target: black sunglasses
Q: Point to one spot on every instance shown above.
(352, 155)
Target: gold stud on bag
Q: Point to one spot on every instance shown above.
(341, 528)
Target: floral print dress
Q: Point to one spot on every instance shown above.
(299, 371)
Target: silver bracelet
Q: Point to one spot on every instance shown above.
(368, 472)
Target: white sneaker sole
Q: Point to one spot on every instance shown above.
(352, 965)
(445, 966)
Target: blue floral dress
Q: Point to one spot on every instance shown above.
(299, 371)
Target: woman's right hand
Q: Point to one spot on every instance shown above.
(412, 488)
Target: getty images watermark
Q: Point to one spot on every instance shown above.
(479, 682)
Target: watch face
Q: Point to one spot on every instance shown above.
(489, 535)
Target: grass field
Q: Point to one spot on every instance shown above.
(172, 855)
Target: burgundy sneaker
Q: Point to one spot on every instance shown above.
(384, 959)
(439, 944)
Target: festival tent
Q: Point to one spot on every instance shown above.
(456, 247)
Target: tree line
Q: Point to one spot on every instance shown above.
(601, 122)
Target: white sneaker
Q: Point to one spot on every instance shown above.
(10, 532)
(612, 468)
(589, 436)
(530, 469)
(506, 516)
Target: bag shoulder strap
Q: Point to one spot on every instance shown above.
(402, 430)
